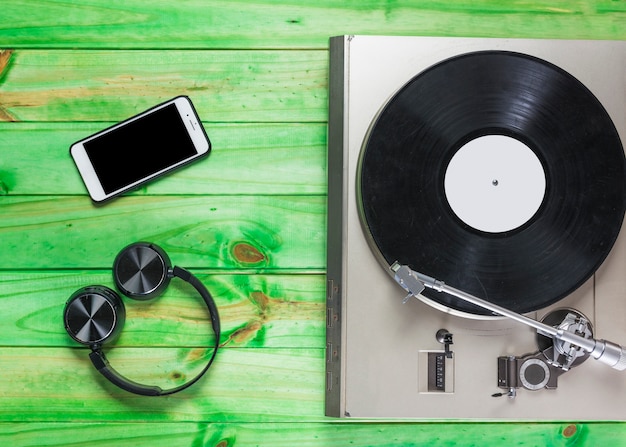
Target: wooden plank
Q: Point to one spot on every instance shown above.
(61, 385)
(246, 159)
(242, 86)
(373, 434)
(285, 24)
(269, 311)
(256, 233)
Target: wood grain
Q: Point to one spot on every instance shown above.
(255, 233)
(263, 311)
(374, 434)
(287, 24)
(240, 86)
(243, 384)
(246, 159)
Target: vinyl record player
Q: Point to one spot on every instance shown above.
(425, 136)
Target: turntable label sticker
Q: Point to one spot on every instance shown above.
(495, 183)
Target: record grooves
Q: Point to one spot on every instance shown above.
(400, 184)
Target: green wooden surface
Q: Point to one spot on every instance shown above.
(312, 434)
(249, 220)
(271, 311)
(294, 24)
(246, 159)
(240, 86)
(243, 231)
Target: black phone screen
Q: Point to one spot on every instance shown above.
(140, 148)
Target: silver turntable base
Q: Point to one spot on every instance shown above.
(377, 347)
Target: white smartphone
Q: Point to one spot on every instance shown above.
(141, 148)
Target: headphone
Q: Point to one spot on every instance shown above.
(94, 315)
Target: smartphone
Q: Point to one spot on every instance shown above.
(139, 149)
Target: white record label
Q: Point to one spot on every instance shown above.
(495, 183)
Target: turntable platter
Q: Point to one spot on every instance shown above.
(498, 173)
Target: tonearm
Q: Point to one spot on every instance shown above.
(604, 351)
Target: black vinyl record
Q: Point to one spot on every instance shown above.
(403, 203)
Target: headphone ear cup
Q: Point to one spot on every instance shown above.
(94, 315)
(142, 270)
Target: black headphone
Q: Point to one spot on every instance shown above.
(95, 315)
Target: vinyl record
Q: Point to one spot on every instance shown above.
(433, 176)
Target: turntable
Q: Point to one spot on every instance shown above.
(476, 186)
